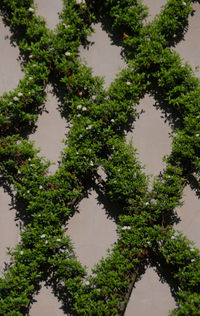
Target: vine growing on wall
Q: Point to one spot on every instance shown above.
(99, 118)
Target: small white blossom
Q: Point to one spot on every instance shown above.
(58, 239)
(19, 172)
(78, 115)
(197, 135)
(30, 56)
(184, 3)
(192, 260)
(67, 54)
(87, 283)
(79, 107)
(91, 164)
(112, 120)
(84, 109)
(153, 201)
(126, 228)
(40, 187)
(30, 78)
(89, 127)
(21, 252)
(20, 94)
(16, 98)
(46, 242)
(80, 1)
(31, 10)
(43, 236)
(66, 26)
(147, 203)
(28, 191)
(128, 83)
(93, 97)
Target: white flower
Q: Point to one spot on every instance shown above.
(28, 191)
(184, 3)
(19, 172)
(40, 187)
(93, 97)
(153, 201)
(80, 1)
(31, 10)
(31, 56)
(197, 135)
(58, 239)
(67, 54)
(112, 120)
(87, 283)
(89, 127)
(79, 107)
(78, 115)
(173, 237)
(21, 252)
(192, 260)
(30, 78)
(84, 109)
(91, 164)
(20, 94)
(126, 228)
(43, 236)
(66, 26)
(16, 98)
(46, 242)
(147, 203)
(128, 83)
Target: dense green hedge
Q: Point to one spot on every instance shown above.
(99, 119)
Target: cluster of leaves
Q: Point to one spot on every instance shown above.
(96, 138)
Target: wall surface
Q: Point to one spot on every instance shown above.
(92, 232)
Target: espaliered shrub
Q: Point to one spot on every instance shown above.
(99, 119)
